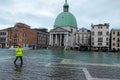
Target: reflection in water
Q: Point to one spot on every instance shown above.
(51, 64)
(18, 68)
(18, 72)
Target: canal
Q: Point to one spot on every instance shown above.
(45, 64)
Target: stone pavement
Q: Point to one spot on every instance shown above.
(55, 69)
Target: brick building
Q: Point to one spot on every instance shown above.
(23, 34)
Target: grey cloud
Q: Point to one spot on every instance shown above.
(85, 11)
(6, 2)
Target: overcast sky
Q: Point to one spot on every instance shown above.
(42, 13)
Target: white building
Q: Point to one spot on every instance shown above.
(115, 39)
(83, 38)
(100, 37)
(65, 27)
(3, 38)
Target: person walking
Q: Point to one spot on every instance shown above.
(19, 53)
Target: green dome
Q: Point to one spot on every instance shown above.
(65, 19)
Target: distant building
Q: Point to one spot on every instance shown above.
(65, 27)
(100, 37)
(23, 34)
(42, 38)
(3, 39)
(83, 39)
(115, 39)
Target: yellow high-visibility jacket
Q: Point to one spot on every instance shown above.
(18, 51)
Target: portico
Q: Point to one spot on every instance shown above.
(59, 38)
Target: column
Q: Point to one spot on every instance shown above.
(60, 39)
(51, 39)
(67, 39)
(56, 39)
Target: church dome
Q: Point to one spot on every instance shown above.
(65, 18)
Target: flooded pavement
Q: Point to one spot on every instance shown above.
(60, 65)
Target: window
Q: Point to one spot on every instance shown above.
(118, 33)
(118, 45)
(2, 39)
(100, 39)
(78, 41)
(5, 33)
(100, 33)
(107, 33)
(117, 39)
(93, 33)
(93, 43)
(113, 32)
(113, 44)
(107, 43)
(113, 38)
(15, 35)
(82, 30)
(107, 39)
(92, 39)
(99, 44)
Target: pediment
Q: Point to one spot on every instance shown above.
(59, 29)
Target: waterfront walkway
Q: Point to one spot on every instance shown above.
(56, 69)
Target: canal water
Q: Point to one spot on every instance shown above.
(67, 56)
(38, 64)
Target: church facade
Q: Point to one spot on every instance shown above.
(65, 27)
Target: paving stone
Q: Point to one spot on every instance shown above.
(52, 69)
(104, 72)
(34, 70)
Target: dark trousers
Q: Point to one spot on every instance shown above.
(17, 59)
